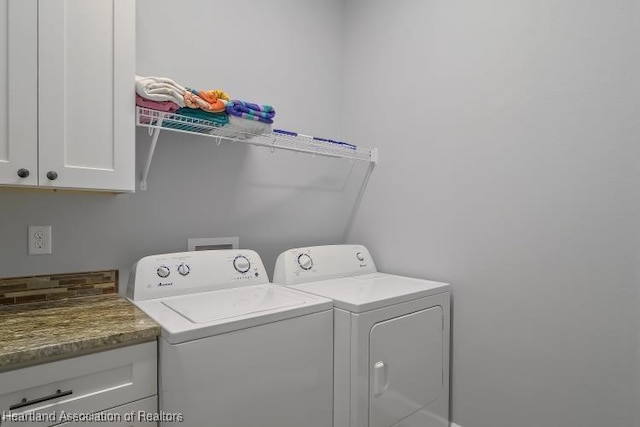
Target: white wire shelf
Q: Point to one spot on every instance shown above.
(158, 120)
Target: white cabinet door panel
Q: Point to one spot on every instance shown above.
(86, 93)
(18, 91)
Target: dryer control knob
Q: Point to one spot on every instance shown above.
(305, 261)
(360, 256)
(163, 271)
(241, 264)
(184, 269)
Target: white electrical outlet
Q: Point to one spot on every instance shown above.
(39, 239)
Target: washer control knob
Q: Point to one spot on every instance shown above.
(184, 269)
(163, 271)
(241, 264)
(305, 261)
(360, 256)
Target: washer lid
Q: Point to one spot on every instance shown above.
(230, 303)
(371, 291)
(190, 317)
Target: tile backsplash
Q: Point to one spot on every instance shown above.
(18, 290)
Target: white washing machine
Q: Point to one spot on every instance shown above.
(235, 350)
(391, 337)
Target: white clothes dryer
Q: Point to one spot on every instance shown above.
(391, 337)
(235, 350)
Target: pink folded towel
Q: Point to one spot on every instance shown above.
(166, 106)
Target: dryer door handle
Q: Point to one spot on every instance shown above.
(380, 378)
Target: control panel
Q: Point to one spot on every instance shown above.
(314, 263)
(183, 273)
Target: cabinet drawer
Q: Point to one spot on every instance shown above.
(119, 416)
(82, 384)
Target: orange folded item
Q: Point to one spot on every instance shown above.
(212, 96)
(192, 100)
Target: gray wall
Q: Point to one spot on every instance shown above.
(509, 145)
(284, 52)
(509, 167)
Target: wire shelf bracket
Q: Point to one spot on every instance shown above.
(156, 121)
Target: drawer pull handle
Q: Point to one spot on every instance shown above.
(26, 402)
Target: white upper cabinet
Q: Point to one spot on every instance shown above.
(18, 92)
(83, 111)
(86, 100)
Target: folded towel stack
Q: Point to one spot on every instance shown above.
(156, 92)
(160, 89)
(250, 111)
(240, 119)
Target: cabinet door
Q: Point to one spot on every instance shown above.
(18, 91)
(86, 94)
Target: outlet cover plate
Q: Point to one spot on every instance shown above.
(39, 239)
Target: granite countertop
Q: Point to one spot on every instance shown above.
(45, 331)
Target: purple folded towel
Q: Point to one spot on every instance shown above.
(248, 110)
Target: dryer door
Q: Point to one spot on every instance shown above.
(405, 365)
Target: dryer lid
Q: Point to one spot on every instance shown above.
(358, 294)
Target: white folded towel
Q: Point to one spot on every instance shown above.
(239, 128)
(160, 89)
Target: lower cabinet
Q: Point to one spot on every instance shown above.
(134, 414)
(119, 386)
